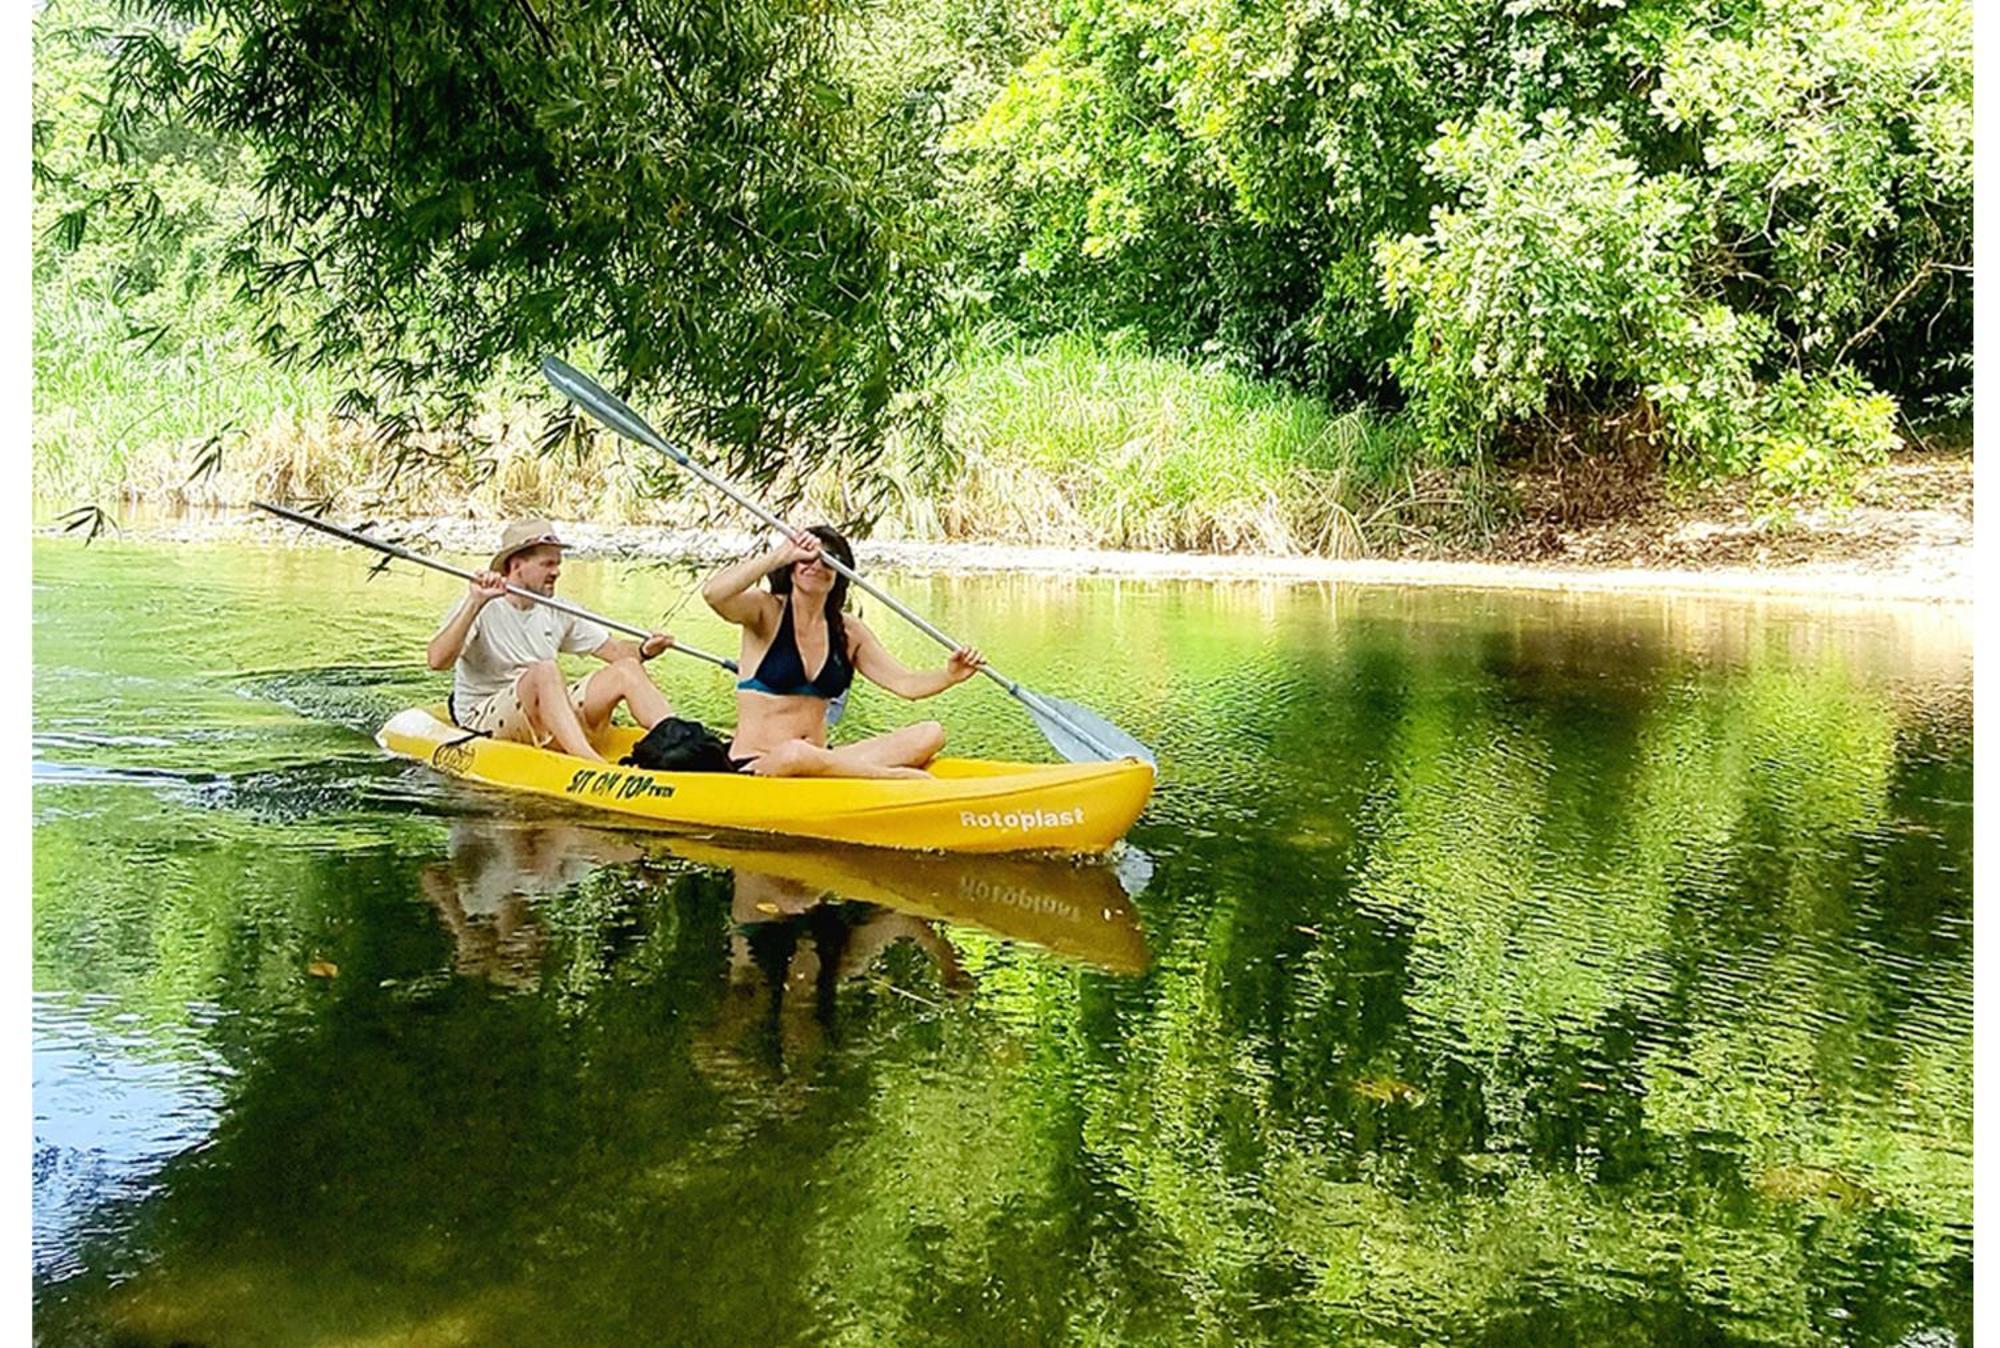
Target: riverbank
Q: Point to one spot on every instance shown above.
(1907, 537)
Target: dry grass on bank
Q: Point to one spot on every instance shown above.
(1070, 442)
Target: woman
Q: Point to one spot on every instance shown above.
(800, 624)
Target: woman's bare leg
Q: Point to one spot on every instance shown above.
(911, 747)
(895, 754)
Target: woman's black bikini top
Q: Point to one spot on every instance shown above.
(783, 672)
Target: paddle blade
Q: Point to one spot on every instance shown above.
(1081, 735)
(606, 406)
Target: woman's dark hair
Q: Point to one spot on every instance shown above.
(831, 541)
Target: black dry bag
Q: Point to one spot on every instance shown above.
(676, 745)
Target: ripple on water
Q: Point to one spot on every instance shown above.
(44, 771)
(62, 740)
(359, 697)
(302, 791)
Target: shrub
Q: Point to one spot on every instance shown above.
(1561, 265)
(1815, 433)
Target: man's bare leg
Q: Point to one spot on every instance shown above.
(545, 698)
(623, 681)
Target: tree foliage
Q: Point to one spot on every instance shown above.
(177, 190)
(1838, 146)
(1706, 207)
(1741, 228)
(447, 191)
(1561, 262)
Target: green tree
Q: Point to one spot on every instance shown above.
(1837, 143)
(1561, 264)
(448, 192)
(1733, 217)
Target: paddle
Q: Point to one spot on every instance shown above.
(393, 550)
(1078, 734)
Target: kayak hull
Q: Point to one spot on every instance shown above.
(967, 805)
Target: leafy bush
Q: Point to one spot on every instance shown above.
(1815, 433)
(1561, 265)
(1559, 262)
(1836, 136)
(1589, 202)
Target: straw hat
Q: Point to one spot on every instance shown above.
(522, 535)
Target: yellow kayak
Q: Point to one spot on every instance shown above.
(968, 805)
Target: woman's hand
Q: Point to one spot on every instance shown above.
(964, 663)
(728, 591)
(799, 547)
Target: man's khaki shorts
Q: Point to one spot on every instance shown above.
(504, 718)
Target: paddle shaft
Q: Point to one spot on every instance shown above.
(393, 550)
(636, 428)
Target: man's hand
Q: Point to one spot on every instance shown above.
(486, 586)
(449, 643)
(654, 644)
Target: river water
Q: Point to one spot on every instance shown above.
(1486, 968)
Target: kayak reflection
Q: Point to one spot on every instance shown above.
(792, 945)
(807, 920)
(1079, 912)
(495, 869)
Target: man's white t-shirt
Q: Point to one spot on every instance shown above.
(506, 639)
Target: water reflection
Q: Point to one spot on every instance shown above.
(833, 908)
(792, 944)
(494, 869)
(1080, 911)
(115, 1099)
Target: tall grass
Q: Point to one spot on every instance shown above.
(115, 419)
(112, 415)
(1085, 440)
(1074, 441)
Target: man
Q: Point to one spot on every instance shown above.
(505, 682)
